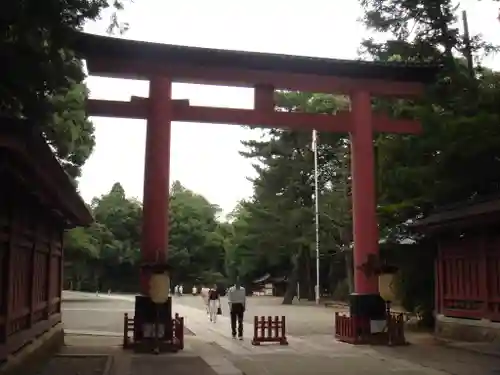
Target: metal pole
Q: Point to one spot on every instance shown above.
(316, 198)
(468, 50)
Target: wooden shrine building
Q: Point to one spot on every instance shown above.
(38, 201)
(467, 268)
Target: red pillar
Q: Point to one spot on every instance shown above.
(154, 246)
(365, 230)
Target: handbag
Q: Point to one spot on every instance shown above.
(219, 311)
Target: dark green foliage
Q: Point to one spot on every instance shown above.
(41, 79)
(107, 255)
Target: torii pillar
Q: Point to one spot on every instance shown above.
(366, 300)
(155, 222)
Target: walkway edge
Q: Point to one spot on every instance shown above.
(456, 345)
(82, 332)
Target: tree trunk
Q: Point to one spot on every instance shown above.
(291, 288)
(308, 280)
(332, 282)
(349, 267)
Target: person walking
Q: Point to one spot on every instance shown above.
(213, 303)
(204, 296)
(237, 304)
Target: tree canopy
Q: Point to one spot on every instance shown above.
(107, 254)
(42, 80)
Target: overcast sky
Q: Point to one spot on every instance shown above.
(204, 157)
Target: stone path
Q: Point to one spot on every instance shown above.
(313, 353)
(198, 357)
(298, 315)
(77, 365)
(321, 354)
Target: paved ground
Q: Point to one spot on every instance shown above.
(86, 312)
(108, 311)
(312, 346)
(298, 317)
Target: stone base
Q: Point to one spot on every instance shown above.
(29, 358)
(146, 314)
(467, 329)
(369, 306)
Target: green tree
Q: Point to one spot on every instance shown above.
(459, 117)
(196, 243)
(456, 157)
(107, 254)
(42, 80)
(275, 230)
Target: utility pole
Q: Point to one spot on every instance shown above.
(316, 199)
(468, 49)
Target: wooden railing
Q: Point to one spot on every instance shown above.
(269, 330)
(176, 341)
(356, 330)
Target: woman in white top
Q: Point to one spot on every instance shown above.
(213, 303)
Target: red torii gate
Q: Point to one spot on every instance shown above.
(162, 64)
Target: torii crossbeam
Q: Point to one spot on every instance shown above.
(163, 64)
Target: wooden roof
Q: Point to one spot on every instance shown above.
(90, 46)
(26, 155)
(461, 215)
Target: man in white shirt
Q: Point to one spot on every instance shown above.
(237, 302)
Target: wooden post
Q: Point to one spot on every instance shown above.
(61, 271)
(9, 288)
(49, 278)
(154, 245)
(179, 330)
(277, 326)
(363, 191)
(255, 328)
(284, 340)
(483, 276)
(264, 98)
(125, 330)
(33, 272)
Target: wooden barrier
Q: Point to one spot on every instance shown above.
(396, 329)
(352, 330)
(179, 330)
(269, 330)
(356, 330)
(128, 326)
(177, 342)
(345, 329)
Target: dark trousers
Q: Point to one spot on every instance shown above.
(237, 312)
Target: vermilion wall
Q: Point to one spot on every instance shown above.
(30, 271)
(468, 275)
